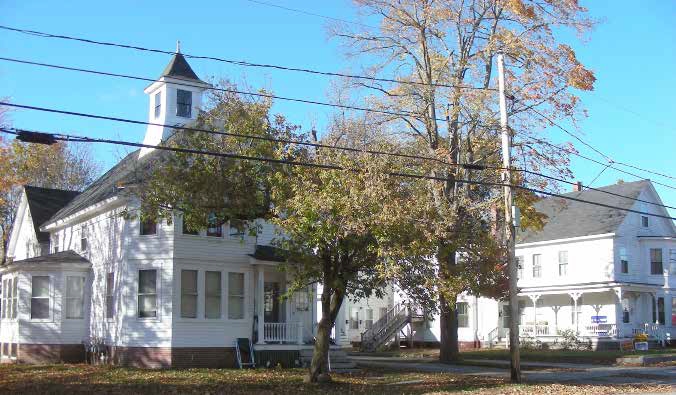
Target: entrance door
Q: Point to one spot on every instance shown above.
(271, 302)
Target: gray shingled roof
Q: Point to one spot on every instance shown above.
(567, 218)
(130, 170)
(178, 67)
(43, 203)
(55, 258)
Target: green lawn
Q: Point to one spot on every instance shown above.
(68, 379)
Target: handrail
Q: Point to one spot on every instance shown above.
(382, 326)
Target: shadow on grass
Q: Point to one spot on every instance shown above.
(69, 379)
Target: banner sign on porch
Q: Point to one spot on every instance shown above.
(599, 319)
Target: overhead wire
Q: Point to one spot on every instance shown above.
(237, 62)
(311, 144)
(85, 139)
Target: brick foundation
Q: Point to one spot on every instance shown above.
(50, 353)
(174, 357)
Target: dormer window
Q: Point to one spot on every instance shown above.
(158, 104)
(183, 103)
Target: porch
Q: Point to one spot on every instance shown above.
(600, 313)
(282, 322)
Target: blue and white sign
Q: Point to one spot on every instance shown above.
(599, 319)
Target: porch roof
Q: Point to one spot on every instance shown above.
(599, 286)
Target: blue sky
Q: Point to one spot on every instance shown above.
(632, 51)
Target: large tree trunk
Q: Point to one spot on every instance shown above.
(332, 299)
(449, 350)
(448, 325)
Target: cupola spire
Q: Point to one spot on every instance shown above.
(178, 46)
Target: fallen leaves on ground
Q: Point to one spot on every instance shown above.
(61, 379)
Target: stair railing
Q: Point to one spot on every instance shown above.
(384, 324)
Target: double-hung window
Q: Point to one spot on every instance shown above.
(368, 323)
(148, 226)
(84, 242)
(463, 314)
(656, 261)
(672, 263)
(644, 221)
(624, 261)
(563, 263)
(158, 104)
(40, 299)
(110, 300)
(235, 296)
(215, 226)
(55, 240)
(183, 103)
(537, 266)
(519, 266)
(75, 297)
(147, 293)
(188, 293)
(212, 295)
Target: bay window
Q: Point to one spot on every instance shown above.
(235, 296)
(188, 293)
(147, 293)
(212, 294)
(40, 298)
(75, 297)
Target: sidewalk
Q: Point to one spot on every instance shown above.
(554, 373)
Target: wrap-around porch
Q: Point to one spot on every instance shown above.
(610, 313)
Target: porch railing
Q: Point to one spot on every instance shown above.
(655, 331)
(536, 330)
(601, 330)
(283, 332)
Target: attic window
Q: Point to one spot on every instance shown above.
(183, 103)
(644, 221)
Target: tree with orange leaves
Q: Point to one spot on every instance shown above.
(440, 54)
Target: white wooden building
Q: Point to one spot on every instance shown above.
(603, 273)
(151, 294)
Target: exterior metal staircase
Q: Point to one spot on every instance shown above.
(387, 327)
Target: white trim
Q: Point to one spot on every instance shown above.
(94, 208)
(566, 240)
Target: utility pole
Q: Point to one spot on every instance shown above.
(515, 365)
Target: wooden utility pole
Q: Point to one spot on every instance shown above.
(515, 365)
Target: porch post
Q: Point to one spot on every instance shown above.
(657, 313)
(576, 316)
(619, 313)
(534, 299)
(260, 304)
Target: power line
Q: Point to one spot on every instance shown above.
(299, 11)
(609, 159)
(315, 145)
(539, 141)
(238, 62)
(258, 94)
(28, 135)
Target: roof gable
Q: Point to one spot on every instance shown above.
(568, 218)
(45, 202)
(130, 170)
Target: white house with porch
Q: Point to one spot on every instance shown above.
(603, 273)
(150, 294)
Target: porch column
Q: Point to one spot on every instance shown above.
(657, 314)
(576, 316)
(260, 303)
(534, 299)
(619, 313)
